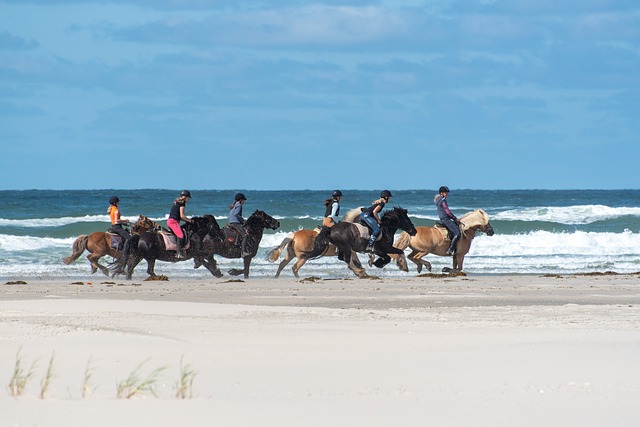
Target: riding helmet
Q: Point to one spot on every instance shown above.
(443, 189)
(239, 197)
(385, 193)
(113, 200)
(185, 193)
(336, 193)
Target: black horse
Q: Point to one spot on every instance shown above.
(224, 243)
(150, 246)
(348, 240)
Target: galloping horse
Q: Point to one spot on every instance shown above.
(150, 246)
(218, 244)
(300, 243)
(434, 240)
(99, 244)
(348, 239)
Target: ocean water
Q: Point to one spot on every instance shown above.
(536, 231)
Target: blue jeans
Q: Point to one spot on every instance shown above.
(453, 228)
(371, 222)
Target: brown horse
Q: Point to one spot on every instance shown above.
(434, 240)
(99, 244)
(300, 243)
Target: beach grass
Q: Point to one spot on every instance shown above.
(137, 383)
(21, 376)
(184, 385)
(48, 377)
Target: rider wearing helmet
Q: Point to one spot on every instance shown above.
(332, 209)
(447, 218)
(370, 216)
(175, 216)
(236, 221)
(116, 222)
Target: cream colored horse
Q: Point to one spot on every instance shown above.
(434, 240)
(300, 243)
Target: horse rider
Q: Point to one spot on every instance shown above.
(447, 218)
(370, 216)
(176, 214)
(236, 221)
(332, 209)
(117, 221)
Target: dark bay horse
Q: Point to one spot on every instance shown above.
(434, 240)
(218, 244)
(99, 244)
(151, 247)
(348, 239)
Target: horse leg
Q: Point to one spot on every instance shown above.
(151, 264)
(382, 261)
(131, 265)
(401, 262)
(287, 259)
(211, 265)
(297, 266)
(247, 263)
(95, 265)
(356, 267)
(416, 257)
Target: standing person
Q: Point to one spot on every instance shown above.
(370, 216)
(176, 214)
(332, 209)
(447, 218)
(117, 221)
(236, 221)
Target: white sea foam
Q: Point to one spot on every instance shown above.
(580, 214)
(60, 222)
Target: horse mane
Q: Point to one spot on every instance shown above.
(352, 214)
(473, 219)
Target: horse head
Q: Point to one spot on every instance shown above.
(399, 217)
(477, 220)
(143, 224)
(262, 220)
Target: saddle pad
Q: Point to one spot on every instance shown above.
(364, 232)
(442, 229)
(116, 240)
(170, 241)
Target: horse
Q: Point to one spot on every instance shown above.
(99, 244)
(151, 247)
(435, 240)
(348, 239)
(300, 243)
(224, 245)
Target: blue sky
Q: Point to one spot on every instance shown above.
(359, 94)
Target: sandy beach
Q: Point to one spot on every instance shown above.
(457, 351)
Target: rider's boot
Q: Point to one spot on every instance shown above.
(452, 247)
(372, 242)
(179, 252)
(243, 248)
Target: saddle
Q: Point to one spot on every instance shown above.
(231, 235)
(446, 233)
(170, 240)
(117, 242)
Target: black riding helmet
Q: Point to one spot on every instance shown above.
(443, 189)
(336, 193)
(185, 193)
(113, 200)
(385, 193)
(239, 197)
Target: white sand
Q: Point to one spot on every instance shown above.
(466, 351)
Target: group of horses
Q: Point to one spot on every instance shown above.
(345, 239)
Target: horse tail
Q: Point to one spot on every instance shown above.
(274, 254)
(320, 244)
(402, 241)
(79, 246)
